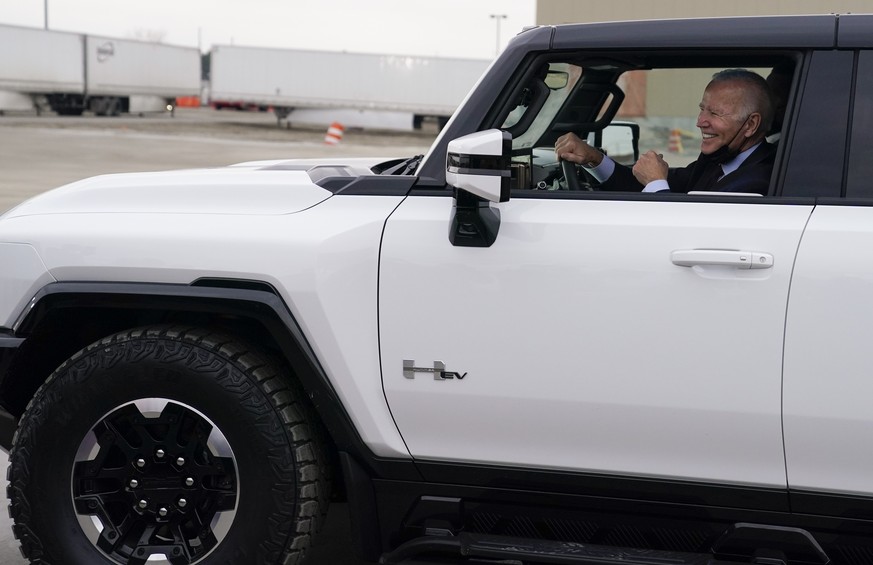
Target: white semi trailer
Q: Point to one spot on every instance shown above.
(298, 83)
(74, 72)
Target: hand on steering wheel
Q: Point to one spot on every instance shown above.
(572, 179)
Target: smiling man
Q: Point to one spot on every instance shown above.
(735, 115)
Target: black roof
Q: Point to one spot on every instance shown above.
(812, 31)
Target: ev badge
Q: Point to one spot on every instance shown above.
(438, 370)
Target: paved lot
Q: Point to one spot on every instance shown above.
(40, 153)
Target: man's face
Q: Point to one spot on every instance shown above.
(721, 117)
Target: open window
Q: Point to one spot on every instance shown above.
(625, 104)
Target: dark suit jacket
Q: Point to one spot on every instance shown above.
(752, 176)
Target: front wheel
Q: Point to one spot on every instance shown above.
(170, 446)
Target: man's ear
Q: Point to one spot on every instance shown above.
(753, 123)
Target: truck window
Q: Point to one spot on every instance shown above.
(660, 102)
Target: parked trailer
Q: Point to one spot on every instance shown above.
(76, 72)
(291, 80)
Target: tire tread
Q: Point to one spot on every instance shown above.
(288, 541)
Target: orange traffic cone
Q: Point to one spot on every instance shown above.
(675, 143)
(334, 134)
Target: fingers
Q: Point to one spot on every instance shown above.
(570, 147)
(650, 166)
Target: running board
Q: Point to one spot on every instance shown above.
(531, 551)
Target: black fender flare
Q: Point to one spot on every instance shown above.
(255, 301)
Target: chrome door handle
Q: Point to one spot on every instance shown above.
(723, 257)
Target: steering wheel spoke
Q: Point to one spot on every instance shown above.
(572, 178)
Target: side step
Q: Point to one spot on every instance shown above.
(531, 551)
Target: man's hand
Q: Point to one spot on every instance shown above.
(570, 147)
(651, 166)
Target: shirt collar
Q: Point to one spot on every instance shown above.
(735, 163)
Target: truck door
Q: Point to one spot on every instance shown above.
(578, 341)
(619, 334)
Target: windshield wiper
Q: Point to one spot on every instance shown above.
(404, 167)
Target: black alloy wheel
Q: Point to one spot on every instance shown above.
(168, 446)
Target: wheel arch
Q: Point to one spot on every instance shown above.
(64, 317)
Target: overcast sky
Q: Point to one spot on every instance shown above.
(445, 28)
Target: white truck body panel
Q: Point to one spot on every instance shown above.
(121, 67)
(319, 79)
(610, 357)
(827, 354)
(43, 61)
(329, 272)
(25, 275)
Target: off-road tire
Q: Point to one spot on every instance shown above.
(276, 474)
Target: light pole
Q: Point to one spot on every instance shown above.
(496, 18)
(46, 12)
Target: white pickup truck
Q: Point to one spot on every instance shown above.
(489, 358)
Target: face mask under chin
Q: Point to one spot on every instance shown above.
(721, 155)
(724, 153)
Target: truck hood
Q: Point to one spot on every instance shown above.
(255, 188)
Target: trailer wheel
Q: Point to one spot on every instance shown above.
(167, 446)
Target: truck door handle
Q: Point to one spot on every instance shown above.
(723, 257)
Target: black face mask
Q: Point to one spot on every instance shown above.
(725, 154)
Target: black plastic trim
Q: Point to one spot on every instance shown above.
(513, 507)
(377, 185)
(262, 306)
(854, 31)
(609, 486)
(8, 425)
(369, 185)
(832, 504)
(816, 31)
(507, 549)
(474, 222)
(817, 152)
(734, 198)
(363, 513)
(494, 165)
(444, 191)
(850, 201)
(8, 348)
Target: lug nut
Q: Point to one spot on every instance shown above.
(133, 483)
(182, 503)
(140, 462)
(162, 511)
(189, 482)
(160, 453)
(143, 504)
(180, 461)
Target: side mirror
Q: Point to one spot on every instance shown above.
(479, 163)
(478, 167)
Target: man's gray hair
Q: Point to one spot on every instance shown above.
(756, 94)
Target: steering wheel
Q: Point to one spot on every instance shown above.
(569, 170)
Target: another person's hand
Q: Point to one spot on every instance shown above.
(650, 166)
(571, 147)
